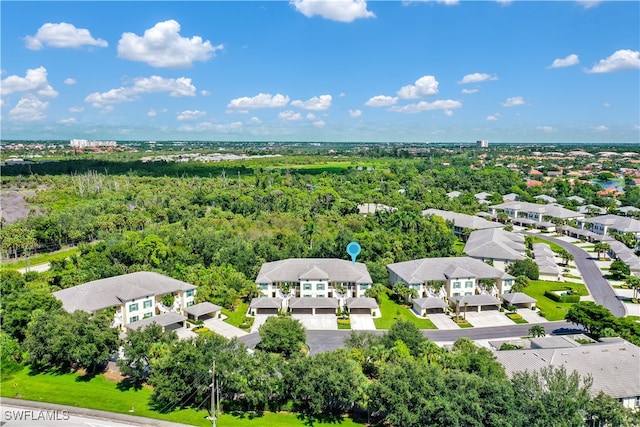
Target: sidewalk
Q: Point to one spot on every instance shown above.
(93, 413)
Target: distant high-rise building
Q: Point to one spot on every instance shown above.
(482, 144)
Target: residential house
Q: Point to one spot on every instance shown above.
(451, 277)
(604, 223)
(453, 194)
(372, 208)
(545, 259)
(534, 183)
(629, 211)
(577, 199)
(533, 214)
(327, 283)
(482, 197)
(136, 296)
(496, 246)
(511, 197)
(545, 198)
(591, 210)
(611, 363)
(462, 221)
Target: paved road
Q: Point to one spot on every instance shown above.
(17, 412)
(319, 341)
(599, 287)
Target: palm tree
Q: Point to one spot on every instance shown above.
(308, 232)
(601, 247)
(537, 331)
(634, 283)
(565, 255)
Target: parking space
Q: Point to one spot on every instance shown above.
(488, 318)
(317, 321)
(258, 320)
(221, 327)
(531, 316)
(184, 333)
(362, 322)
(442, 321)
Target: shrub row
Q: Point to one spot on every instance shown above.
(559, 298)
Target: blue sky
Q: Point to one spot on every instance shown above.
(308, 70)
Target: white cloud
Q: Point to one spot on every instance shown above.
(468, 91)
(444, 104)
(69, 121)
(62, 35)
(381, 101)
(355, 113)
(70, 81)
(254, 121)
(636, 127)
(261, 100)
(504, 2)
(210, 126)
(448, 113)
(493, 117)
(290, 116)
(606, 105)
(335, 10)
(424, 86)
(317, 103)
(29, 109)
(152, 113)
(513, 101)
(624, 59)
(547, 129)
(205, 93)
(162, 46)
(588, 4)
(34, 80)
(319, 123)
(602, 128)
(342, 94)
(445, 2)
(477, 77)
(310, 116)
(190, 115)
(568, 61)
(76, 109)
(2, 103)
(176, 87)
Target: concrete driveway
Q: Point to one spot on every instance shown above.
(531, 316)
(317, 321)
(362, 322)
(221, 327)
(258, 320)
(184, 333)
(443, 321)
(487, 319)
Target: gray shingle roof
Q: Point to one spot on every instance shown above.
(293, 269)
(202, 308)
(371, 208)
(551, 209)
(472, 222)
(163, 320)
(495, 243)
(113, 291)
(620, 223)
(517, 298)
(313, 303)
(430, 302)
(427, 269)
(613, 366)
(266, 303)
(475, 300)
(363, 302)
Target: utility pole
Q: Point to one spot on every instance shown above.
(214, 414)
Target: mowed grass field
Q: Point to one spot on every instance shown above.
(391, 312)
(553, 310)
(99, 393)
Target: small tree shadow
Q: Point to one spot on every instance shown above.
(128, 384)
(311, 420)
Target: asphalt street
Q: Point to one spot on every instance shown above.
(319, 341)
(598, 286)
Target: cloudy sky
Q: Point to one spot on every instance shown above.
(333, 70)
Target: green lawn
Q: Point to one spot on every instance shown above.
(98, 393)
(391, 312)
(236, 317)
(554, 247)
(552, 310)
(40, 259)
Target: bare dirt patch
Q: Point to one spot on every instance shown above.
(13, 206)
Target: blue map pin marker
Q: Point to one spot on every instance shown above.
(353, 249)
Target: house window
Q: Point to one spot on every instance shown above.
(456, 294)
(364, 287)
(190, 292)
(190, 303)
(306, 296)
(468, 284)
(306, 286)
(147, 304)
(320, 287)
(508, 282)
(416, 286)
(456, 285)
(264, 286)
(320, 296)
(133, 319)
(133, 307)
(468, 293)
(146, 315)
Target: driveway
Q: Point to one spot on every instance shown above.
(362, 322)
(221, 327)
(488, 319)
(531, 316)
(316, 322)
(443, 321)
(598, 286)
(184, 333)
(258, 320)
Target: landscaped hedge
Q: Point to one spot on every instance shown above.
(247, 323)
(559, 298)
